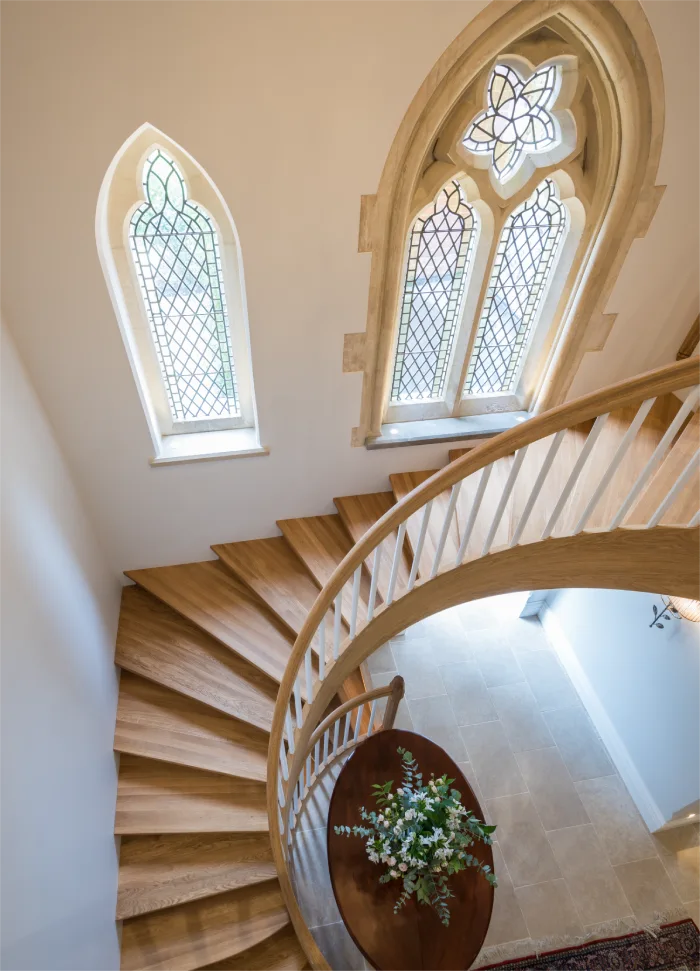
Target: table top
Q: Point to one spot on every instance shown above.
(413, 937)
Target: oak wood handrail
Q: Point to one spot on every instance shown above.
(386, 691)
(690, 341)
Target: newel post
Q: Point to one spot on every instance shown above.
(392, 705)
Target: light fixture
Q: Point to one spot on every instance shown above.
(676, 608)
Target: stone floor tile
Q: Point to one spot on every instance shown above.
(471, 778)
(679, 852)
(338, 947)
(526, 635)
(497, 662)
(416, 663)
(492, 760)
(618, 825)
(518, 713)
(507, 923)
(382, 660)
(582, 750)
(522, 840)
(311, 879)
(592, 882)
(551, 788)
(549, 681)
(434, 718)
(468, 694)
(548, 910)
(647, 888)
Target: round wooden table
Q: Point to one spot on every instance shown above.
(413, 937)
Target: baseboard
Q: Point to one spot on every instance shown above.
(644, 801)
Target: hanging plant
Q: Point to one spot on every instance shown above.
(421, 835)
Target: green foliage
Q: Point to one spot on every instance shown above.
(421, 834)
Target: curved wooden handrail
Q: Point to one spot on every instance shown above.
(384, 692)
(673, 377)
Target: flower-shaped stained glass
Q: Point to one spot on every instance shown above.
(441, 245)
(522, 268)
(175, 247)
(517, 121)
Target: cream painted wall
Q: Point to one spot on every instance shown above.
(291, 108)
(60, 602)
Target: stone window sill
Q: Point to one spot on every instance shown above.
(473, 428)
(205, 446)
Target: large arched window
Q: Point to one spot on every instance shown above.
(544, 124)
(172, 261)
(513, 135)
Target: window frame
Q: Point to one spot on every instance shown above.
(121, 195)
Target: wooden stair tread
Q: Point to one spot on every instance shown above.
(281, 952)
(200, 932)
(160, 797)
(322, 543)
(273, 571)
(359, 514)
(404, 482)
(160, 871)
(686, 504)
(155, 722)
(159, 644)
(210, 596)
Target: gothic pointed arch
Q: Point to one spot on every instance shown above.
(567, 95)
(172, 262)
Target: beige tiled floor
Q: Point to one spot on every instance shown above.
(572, 851)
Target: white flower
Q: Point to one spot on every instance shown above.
(399, 792)
(392, 861)
(380, 818)
(393, 873)
(403, 867)
(373, 857)
(390, 796)
(386, 824)
(437, 798)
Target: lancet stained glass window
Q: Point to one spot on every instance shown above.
(176, 251)
(524, 261)
(517, 120)
(440, 250)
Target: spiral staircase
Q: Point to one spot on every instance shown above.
(243, 676)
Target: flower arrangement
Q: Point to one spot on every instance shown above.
(422, 835)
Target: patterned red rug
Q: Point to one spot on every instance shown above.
(673, 947)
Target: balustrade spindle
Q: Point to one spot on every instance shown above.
(656, 458)
(284, 765)
(695, 520)
(614, 464)
(419, 545)
(346, 733)
(297, 701)
(505, 496)
(337, 618)
(473, 513)
(674, 491)
(322, 649)
(336, 733)
(280, 792)
(598, 426)
(358, 722)
(372, 713)
(454, 495)
(290, 730)
(317, 753)
(398, 553)
(307, 671)
(537, 488)
(374, 581)
(326, 739)
(355, 600)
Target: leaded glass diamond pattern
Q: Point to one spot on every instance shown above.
(517, 120)
(524, 262)
(176, 251)
(439, 253)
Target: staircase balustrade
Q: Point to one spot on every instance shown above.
(304, 744)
